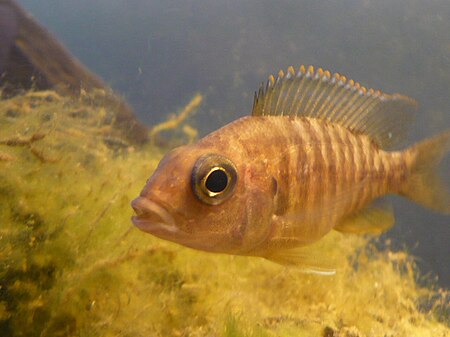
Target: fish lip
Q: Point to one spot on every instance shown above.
(151, 216)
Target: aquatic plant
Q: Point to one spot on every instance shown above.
(71, 264)
(175, 121)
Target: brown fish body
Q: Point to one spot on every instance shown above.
(319, 172)
(310, 159)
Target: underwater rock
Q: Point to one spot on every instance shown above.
(8, 33)
(30, 57)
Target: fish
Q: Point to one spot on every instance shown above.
(319, 152)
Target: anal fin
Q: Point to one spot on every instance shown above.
(294, 257)
(375, 218)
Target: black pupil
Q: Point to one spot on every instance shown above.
(217, 181)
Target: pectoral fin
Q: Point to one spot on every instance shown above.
(316, 258)
(376, 218)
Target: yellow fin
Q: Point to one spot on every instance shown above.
(375, 218)
(316, 258)
(424, 185)
(332, 97)
(294, 258)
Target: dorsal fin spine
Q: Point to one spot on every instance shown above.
(281, 103)
(297, 93)
(302, 87)
(312, 99)
(369, 123)
(371, 106)
(340, 98)
(349, 105)
(319, 93)
(350, 85)
(270, 85)
(363, 101)
(280, 75)
(325, 93)
(310, 74)
(321, 97)
(338, 83)
(300, 105)
(381, 123)
(260, 92)
(289, 89)
(291, 71)
(275, 101)
(324, 108)
(271, 82)
(365, 107)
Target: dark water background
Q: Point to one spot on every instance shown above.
(158, 53)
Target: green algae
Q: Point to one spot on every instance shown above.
(71, 263)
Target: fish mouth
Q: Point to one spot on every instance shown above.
(154, 217)
(151, 217)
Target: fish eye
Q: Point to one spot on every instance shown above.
(217, 180)
(213, 178)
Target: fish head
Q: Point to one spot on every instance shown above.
(207, 198)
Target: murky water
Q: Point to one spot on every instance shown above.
(158, 54)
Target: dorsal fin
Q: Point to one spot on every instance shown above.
(332, 97)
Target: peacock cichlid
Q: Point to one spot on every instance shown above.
(315, 155)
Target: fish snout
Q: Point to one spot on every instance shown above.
(149, 213)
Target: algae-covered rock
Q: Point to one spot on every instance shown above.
(71, 264)
(31, 57)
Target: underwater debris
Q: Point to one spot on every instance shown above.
(21, 141)
(71, 263)
(175, 121)
(18, 141)
(6, 157)
(190, 132)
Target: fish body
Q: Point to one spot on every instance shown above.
(294, 170)
(319, 172)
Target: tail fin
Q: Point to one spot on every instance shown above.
(424, 185)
